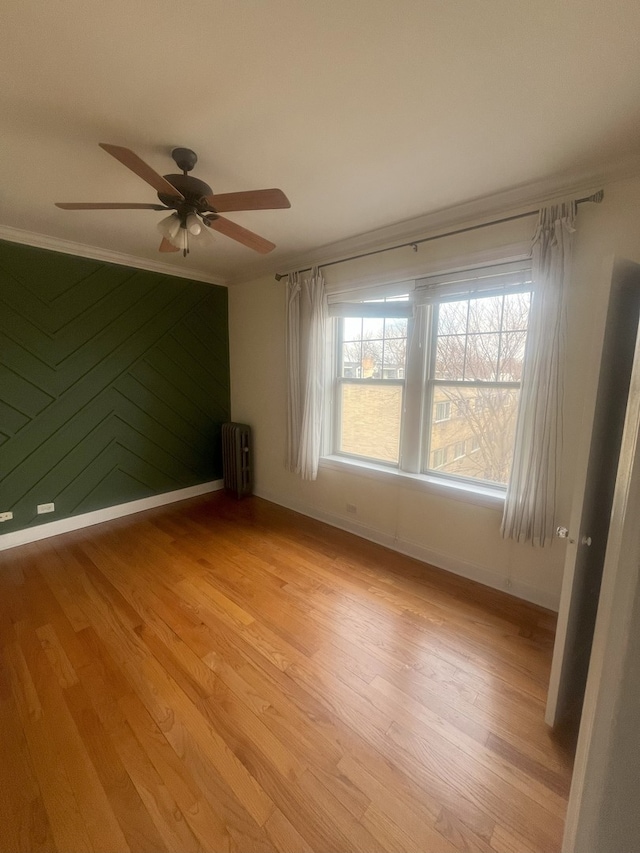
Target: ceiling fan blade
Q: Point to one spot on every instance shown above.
(131, 160)
(250, 200)
(108, 206)
(242, 235)
(166, 246)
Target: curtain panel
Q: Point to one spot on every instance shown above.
(530, 505)
(306, 320)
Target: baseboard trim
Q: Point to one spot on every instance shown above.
(471, 571)
(87, 519)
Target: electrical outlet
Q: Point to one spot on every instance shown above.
(42, 508)
(352, 508)
(6, 516)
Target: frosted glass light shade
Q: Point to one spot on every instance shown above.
(181, 240)
(193, 224)
(169, 227)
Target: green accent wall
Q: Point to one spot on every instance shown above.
(114, 383)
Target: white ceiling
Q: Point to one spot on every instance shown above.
(365, 112)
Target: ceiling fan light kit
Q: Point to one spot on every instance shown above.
(194, 203)
(177, 230)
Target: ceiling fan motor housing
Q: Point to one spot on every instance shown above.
(194, 192)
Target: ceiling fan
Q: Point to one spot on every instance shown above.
(194, 203)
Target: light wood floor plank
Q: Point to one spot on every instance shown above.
(232, 677)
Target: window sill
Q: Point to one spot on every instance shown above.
(469, 493)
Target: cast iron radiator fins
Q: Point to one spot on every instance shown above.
(236, 458)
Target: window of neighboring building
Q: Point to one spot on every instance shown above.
(449, 403)
(443, 411)
(440, 457)
(459, 449)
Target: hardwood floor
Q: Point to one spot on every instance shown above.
(224, 676)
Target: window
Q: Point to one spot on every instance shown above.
(443, 411)
(439, 457)
(459, 449)
(449, 405)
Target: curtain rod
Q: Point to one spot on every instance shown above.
(596, 198)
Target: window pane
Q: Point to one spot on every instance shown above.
(351, 328)
(395, 356)
(476, 441)
(371, 359)
(450, 351)
(371, 420)
(395, 327)
(511, 356)
(351, 359)
(516, 311)
(452, 318)
(485, 314)
(482, 357)
(372, 327)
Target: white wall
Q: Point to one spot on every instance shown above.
(451, 533)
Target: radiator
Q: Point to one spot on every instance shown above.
(236, 458)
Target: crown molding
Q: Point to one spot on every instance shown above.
(474, 212)
(69, 247)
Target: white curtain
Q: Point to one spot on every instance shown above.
(530, 506)
(305, 354)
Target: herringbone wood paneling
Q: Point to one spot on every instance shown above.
(114, 383)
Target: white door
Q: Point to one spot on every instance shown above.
(591, 512)
(603, 812)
